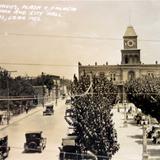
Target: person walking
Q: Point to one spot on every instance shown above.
(26, 109)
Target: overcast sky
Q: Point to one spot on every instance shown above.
(89, 32)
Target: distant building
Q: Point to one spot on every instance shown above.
(130, 67)
(41, 91)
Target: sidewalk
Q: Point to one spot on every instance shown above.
(130, 140)
(24, 115)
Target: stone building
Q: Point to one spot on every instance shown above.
(130, 67)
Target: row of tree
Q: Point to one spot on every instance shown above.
(145, 94)
(93, 117)
(21, 87)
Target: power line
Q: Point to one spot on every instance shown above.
(72, 37)
(59, 36)
(38, 64)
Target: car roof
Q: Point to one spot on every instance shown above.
(49, 104)
(68, 142)
(3, 136)
(70, 137)
(34, 132)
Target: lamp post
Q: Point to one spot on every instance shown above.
(144, 122)
(8, 100)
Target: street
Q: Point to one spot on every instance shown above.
(54, 129)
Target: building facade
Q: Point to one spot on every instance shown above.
(130, 67)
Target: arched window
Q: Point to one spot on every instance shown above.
(101, 74)
(131, 75)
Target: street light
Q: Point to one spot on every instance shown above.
(144, 122)
(8, 105)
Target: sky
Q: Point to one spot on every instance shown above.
(53, 36)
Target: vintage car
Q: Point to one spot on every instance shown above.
(63, 96)
(68, 101)
(151, 130)
(49, 109)
(156, 136)
(69, 112)
(34, 142)
(69, 149)
(138, 118)
(4, 148)
(71, 131)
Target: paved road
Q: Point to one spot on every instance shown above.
(54, 128)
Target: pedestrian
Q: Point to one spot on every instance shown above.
(26, 109)
(1, 119)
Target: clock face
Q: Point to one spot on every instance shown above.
(130, 43)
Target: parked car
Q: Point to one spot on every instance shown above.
(49, 109)
(63, 96)
(34, 142)
(71, 131)
(151, 130)
(69, 149)
(138, 118)
(69, 112)
(156, 136)
(68, 101)
(4, 148)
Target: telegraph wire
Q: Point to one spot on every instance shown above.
(72, 37)
(58, 36)
(39, 64)
(15, 98)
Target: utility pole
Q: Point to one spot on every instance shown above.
(144, 122)
(91, 82)
(56, 92)
(63, 84)
(124, 106)
(8, 97)
(43, 89)
(71, 88)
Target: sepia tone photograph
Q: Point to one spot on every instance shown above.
(79, 80)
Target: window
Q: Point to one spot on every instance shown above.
(101, 74)
(112, 76)
(131, 75)
(126, 59)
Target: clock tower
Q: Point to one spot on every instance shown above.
(130, 53)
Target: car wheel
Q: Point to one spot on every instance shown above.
(40, 151)
(154, 140)
(158, 141)
(1, 156)
(6, 155)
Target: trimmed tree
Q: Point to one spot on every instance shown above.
(94, 124)
(145, 94)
